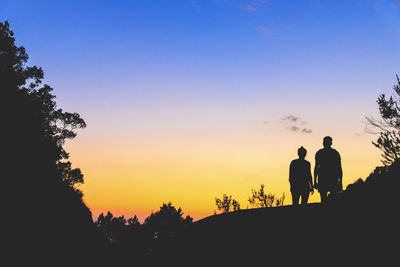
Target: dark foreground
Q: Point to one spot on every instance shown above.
(311, 235)
(359, 226)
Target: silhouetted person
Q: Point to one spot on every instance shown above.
(328, 170)
(300, 178)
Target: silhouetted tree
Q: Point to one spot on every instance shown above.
(133, 222)
(280, 201)
(235, 205)
(166, 222)
(111, 226)
(30, 101)
(227, 204)
(389, 127)
(115, 229)
(126, 237)
(40, 182)
(71, 177)
(260, 199)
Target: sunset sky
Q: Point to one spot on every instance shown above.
(187, 100)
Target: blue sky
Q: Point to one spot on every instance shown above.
(227, 43)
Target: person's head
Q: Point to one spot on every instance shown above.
(302, 152)
(327, 141)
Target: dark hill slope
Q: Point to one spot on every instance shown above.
(288, 235)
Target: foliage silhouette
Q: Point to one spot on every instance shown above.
(114, 228)
(127, 238)
(71, 177)
(378, 191)
(389, 127)
(165, 222)
(227, 204)
(280, 201)
(260, 199)
(43, 200)
(22, 87)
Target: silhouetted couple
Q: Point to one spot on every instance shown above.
(327, 174)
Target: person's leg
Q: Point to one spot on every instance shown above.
(334, 191)
(295, 198)
(304, 198)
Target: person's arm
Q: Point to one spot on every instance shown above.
(291, 173)
(316, 169)
(309, 178)
(340, 172)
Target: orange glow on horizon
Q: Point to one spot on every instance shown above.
(135, 179)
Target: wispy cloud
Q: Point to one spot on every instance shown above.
(295, 124)
(222, 2)
(293, 128)
(290, 123)
(291, 118)
(264, 29)
(297, 129)
(252, 5)
(194, 5)
(250, 8)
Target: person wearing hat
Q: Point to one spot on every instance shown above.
(328, 170)
(300, 178)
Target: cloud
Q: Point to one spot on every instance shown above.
(264, 29)
(396, 4)
(250, 8)
(194, 5)
(307, 131)
(291, 118)
(295, 124)
(297, 129)
(252, 5)
(290, 123)
(222, 2)
(293, 128)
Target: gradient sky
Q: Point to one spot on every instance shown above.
(187, 100)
